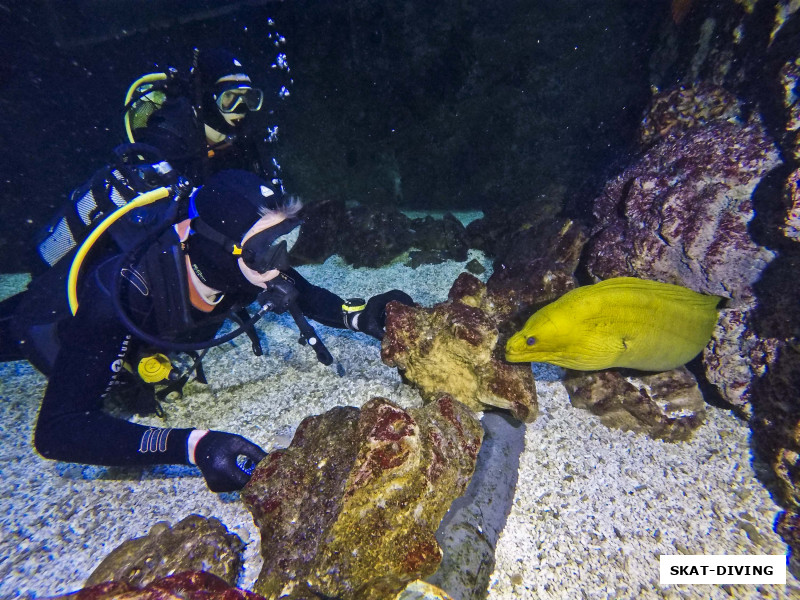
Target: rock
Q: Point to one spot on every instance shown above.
(447, 236)
(468, 289)
(736, 356)
(787, 525)
(320, 233)
(538, 268)
(366, 236)
(493, 233)
(667, 406)
(789, 76)
(451, 349)
(185, 586)
(475, 267)
(425, 257)
(194, 544)
(681, 213)
(373, 237)
(470, 530)
(791, 223)
(776, 424)
(420, 590)
(681, 108)
(295, 496)
(361, 235)
(350, 508)
(731, 46)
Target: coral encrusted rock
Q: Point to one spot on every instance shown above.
(452, 348)
(350, 509)
(666, 405)
(685, 107)
(791, 225)
(194, 544)
(776, 426)
(184, 586)
(682, 215)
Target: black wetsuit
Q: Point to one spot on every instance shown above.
(72, 425)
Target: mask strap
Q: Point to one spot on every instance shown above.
(201, 228)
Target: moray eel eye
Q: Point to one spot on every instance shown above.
(530, 341)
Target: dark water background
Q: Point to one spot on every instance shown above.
(412, 103)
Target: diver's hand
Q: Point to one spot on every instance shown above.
(372, 319)
(226, 460)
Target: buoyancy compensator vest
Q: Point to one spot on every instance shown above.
(122, 199)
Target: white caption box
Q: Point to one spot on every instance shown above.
(722, 568)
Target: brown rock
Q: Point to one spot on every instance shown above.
(320, 233)
(450, 349)
(666, 405)
(496, 231)
(181, 586)
(194, 544)
(351, 507)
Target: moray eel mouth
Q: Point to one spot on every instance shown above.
(518, 349)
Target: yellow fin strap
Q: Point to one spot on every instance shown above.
(351, 309)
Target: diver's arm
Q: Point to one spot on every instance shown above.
(317, 303)
(327, 308)
(72, 425)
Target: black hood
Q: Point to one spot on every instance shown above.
(212, 65)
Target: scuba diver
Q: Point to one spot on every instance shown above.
(170, 292)
(201, 123)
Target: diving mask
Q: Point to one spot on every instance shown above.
(269, 249)
(239, 100)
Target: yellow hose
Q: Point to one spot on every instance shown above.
(74, 269)
(149, 78)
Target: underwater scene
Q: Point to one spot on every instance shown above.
(399, 300)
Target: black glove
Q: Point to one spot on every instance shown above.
(226, 460)
(372, 319)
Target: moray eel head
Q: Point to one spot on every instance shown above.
(541, 340)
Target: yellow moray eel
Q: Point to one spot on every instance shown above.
(620, 322)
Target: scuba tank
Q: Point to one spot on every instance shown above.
(134, 170)
(148, 94)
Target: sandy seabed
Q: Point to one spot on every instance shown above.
(593, 509)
